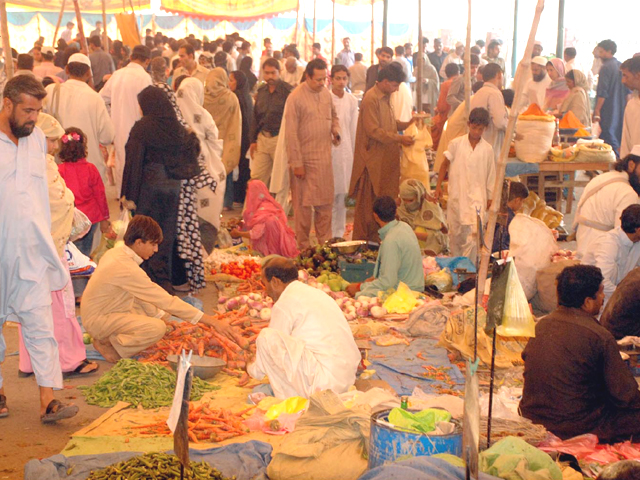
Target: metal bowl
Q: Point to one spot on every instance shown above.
(203, 367)
(349, 247)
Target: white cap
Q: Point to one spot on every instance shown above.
(539, 61)
(538, 42)
(635, 150)
(50, 50)
(80, 58)
(459, 44)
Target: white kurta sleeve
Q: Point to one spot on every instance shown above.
(605, 259)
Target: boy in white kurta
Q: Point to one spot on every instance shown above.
(346, 106)
(472, 173)
(308, 345)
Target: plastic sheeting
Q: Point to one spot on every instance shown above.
(229, 10)
(244, 460)
(420, 468)
(86, 6)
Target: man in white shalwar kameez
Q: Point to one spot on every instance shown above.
(120, 93)
(31, 268)
(618, 251)
(308, 345)
(603, 200)
(490, 98)
(346, 106)
(631, 126)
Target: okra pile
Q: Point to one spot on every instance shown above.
(147, 384)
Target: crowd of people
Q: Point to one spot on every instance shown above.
(182, 130)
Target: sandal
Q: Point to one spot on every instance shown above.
(3, 406)
(57, 410)
(78, 371)
(22, 374)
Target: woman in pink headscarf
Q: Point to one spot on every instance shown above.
(265, 223)
(557, 90)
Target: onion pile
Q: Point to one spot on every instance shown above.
(259, 306)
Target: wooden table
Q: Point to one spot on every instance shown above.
(567, 168)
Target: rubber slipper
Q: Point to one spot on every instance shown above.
(22, 374)
(57, 410)
(3, 405)
(78, 371)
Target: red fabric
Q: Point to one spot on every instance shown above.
(267, 222)
(83, 179)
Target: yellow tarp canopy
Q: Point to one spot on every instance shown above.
(86, 6)
(230, 10)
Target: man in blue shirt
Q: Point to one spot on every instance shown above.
(399, 258)
(346, 56)
(611, 96)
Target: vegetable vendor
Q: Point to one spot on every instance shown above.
(575, 381)
(308, 345)
(399, 259)
(122, 309)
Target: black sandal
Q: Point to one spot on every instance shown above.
(3, 405)
(78, 371)
(57, 410)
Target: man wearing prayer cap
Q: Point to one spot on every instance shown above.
(537, 49)
(536, 87)
(454, 56)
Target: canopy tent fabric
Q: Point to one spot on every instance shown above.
(231, 10)
(86, 6)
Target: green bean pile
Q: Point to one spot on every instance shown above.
(156, 466)
(147, 384)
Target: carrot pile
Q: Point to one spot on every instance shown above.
(206, 423)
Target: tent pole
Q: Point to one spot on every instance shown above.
(385, 22)
(55, 35)
(373, 29)
(314, 20)
(514, 55)
(467, 66)
(83, 39)
(297, 23)
(105, 35)
(6, 44)
(420, 61)
(560, 40)
(333, 32)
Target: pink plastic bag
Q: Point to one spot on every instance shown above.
(286, 423)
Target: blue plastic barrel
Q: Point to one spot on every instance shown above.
(388, 444)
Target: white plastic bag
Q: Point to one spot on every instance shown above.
(78, 262)
(532, 245)
(535, 140)
(80, 226)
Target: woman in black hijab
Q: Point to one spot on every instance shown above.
(160, 155)
(240, 86)
(245, 67)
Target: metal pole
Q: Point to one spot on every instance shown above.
(514, 54)
(420, 61)
(333, 32)
(6, 44)
(560, 40)
(385, 22)
(55, 35)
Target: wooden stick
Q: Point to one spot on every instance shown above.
(105, 36)
(83, 39)
(295, 35)
(55, 35)
(314, 20)
(333, 32)
(521, 77)
(420, 61)
(467, 65)
(6, 44)
(373, 29)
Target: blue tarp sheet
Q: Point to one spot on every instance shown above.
(403, 371)
(420, 468)
(247, 461)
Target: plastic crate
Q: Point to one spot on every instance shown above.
(355, 272)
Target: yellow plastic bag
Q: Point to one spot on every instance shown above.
(403, 300)
(290, 405)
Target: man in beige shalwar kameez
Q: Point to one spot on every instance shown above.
(376, 164)
(312, 125)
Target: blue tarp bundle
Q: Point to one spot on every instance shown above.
(420, 468)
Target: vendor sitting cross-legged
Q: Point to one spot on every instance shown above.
(575, 381)
(399, 258)
(122, 309)
(308, 345)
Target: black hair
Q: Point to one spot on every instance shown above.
(570, 76)
(358, 57)
(95, 41)
(23, 84)
(623, 470)
(266, 40)
(385, 207)
(227, 46)
(188, 48)
(490, 71)
(630, 218)
(220, 60)
(25, 61)
(175, 63)
(293, 50)
(378, 50)
(609, 46)
(451, 70)
(392, 72)
(492, 44)
(46, 81)
(399, 50)
(479, 116)
(570, 52)
(577, 283)
(481, 43)
(317, 45)
(339, 68)
(632, 65)
(475, 50)
(141, 52)
(386, 50)
(72, 150)
(508, 96)
(48, 56)
(143, 228)
(518, 190)
(622, 165)
(474, 59)
(178, 81)
(477, 86)
(315, 64)
(283, 269)
(77, 69)
(271, 62)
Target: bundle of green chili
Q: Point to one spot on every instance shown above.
(147, 384)
(156, 466)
